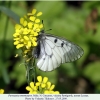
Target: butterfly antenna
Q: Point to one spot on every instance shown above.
(43, 25)
(48, 29)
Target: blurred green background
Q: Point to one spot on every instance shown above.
(77, 21)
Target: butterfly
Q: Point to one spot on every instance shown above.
(52, 51)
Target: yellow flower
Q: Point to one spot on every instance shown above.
(51, 92)
(25, 36)
(39, 14)
(41, 87)
(49, 89)
(1, 91)
(42, 82)
(33, 11)
(32, 89)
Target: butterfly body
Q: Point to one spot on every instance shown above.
(52, 51)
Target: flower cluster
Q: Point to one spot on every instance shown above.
(26, 32)
(41, 87)
(1, 91)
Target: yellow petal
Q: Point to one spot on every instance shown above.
(48, 84)
(36, 25)
(30, 25)
(17, 26)
(37, 20)
(21, 20)
(33, 92)
(18, 30)
(51, 92)
(37, 30)
(25, 32)
(37, 84)
(24, 23)
(52, 87)
(32, 85)
(16, 42)
(21, 40)
(32, 42)
(39, 78)
(16, 34)
(56, 92)
(33, 11)
(25, 51)
(46, 92)
(43, 85)
(35, 88)
(29, 14)
(26, 38)
(35, 34)
(28, 88)
(1, 91)
(16, 39)
(34, 39)
(45, 79)
(31, 32)
(29, 44)
(35, 43)
(19, 46)
(41, 26)
(39, 14)
(32, 18)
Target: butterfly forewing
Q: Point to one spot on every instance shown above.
(54, 51)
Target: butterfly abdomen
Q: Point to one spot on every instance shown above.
(36, 51)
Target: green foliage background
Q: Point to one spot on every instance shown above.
(65, 21)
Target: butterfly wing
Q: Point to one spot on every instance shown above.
(55, 50)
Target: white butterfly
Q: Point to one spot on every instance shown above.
(52, 51)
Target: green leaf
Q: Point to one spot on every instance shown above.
(9, 13)
(92, 72)
(69, 69)
(4, 72)
(91, 5)
(51, 9)
(19, 73)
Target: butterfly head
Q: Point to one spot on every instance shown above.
(41, 32)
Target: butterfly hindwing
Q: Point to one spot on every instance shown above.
(55, 50)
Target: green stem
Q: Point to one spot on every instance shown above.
(31, 70)
(2, 3)
(5, 33)
(4, 69)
